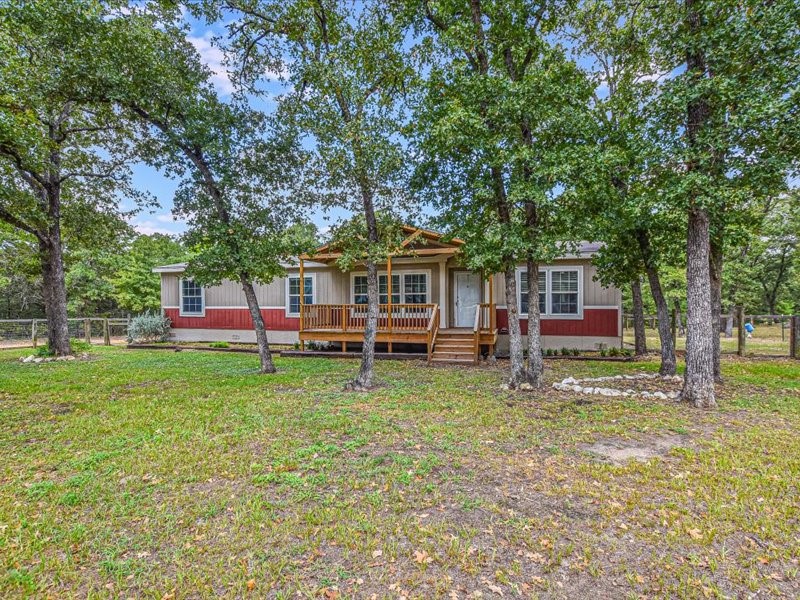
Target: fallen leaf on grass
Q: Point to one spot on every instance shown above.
(422, 557)
(695, 534)
(251, 585)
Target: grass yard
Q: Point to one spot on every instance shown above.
(153, 474)
(767, 340)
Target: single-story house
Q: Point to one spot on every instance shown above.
(429, 303)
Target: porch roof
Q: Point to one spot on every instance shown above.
(417, 242)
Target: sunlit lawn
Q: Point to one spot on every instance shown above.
(155, 474)
(767, 340)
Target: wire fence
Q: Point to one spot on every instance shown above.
(33, 332)
(767, 335)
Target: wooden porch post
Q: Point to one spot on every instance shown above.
(492, 312)
(389, 292)
(302, 301)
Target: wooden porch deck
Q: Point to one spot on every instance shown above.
(397, 323)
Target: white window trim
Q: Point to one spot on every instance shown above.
(547, 272)
(180, 303)
(313, 277)
(401, 273)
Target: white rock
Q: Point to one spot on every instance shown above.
(38, 359)
(645, 394)
(569, 380)
(525, 387)
(660, 395)
(28, 359)
(673, 395)
(70, 357)
(577, 388)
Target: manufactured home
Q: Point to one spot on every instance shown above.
(429, 303)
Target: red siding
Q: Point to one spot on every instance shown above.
(595, 322)
(234, 318)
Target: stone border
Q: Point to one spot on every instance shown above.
(570, 384)
(33, 359)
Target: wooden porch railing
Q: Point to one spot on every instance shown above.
(485, 322)
(433, 330)
(403, 318)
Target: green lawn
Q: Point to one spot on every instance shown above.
(154, 474)
(767, 340)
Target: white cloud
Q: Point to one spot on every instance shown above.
(149, 228)
(214, 59)
(169, 218)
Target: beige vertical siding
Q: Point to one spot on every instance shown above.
(331, 286)
(594, 294)
(170, 294)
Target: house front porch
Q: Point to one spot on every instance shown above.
(415, 324)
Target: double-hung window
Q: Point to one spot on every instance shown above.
(407, 288)
(293, 293)
(524, 296)
(564, 292)
(192, 299)
(560, 290)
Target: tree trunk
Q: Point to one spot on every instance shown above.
(535, 372)
(679, 317)
(698, 386)
(668, 361)
(729, 323)
(264, 354)
(715, 278)
(364, 379)
(640, 339)
(54, 292)
(514, 332)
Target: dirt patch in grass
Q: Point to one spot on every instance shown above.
(619, 451)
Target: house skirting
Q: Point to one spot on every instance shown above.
(243, 336)
(556, 342)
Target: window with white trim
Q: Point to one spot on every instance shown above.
(407, 288)
(192, 298)
(293, 293)
(560, 291)
(564, 292)
(524, 296)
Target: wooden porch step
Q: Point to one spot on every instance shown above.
(460, 344)
(452, 360)
(455, 335)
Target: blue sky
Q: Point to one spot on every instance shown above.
(161, 219)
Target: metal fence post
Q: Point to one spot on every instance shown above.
(34, 334)
(794, 337)
(106, 333)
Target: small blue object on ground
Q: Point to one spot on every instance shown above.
(748, 327)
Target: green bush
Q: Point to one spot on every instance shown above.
(603, 351)
(149, 328)
(76, 345)
(613, 351)
(219, 345)
(576, 352)
(565, 351)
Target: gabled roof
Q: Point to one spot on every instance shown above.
(418, 242)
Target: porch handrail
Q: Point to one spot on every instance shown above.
(433, 330)
(352, 317)
(476, 331)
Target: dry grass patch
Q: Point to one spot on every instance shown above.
(148, 474)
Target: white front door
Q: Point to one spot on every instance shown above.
(468, 296)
